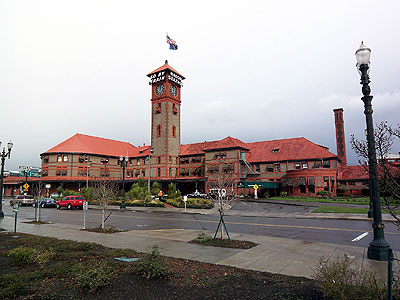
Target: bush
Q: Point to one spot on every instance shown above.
(91, 277)
(202, 238)
(283, 194)
(325, 194)
(87, 193)
(155, 188)
(21, 254)
(191, 203)
(153, 264)
(342, 279)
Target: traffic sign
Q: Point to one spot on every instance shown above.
(26, 186)
(255, 187)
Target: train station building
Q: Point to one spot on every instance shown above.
(297, 166)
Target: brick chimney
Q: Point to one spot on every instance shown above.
(340, 140)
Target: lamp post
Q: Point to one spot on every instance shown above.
(124, 163)
(148, 177)
(3, 154)
(27, 169)
(379, 248)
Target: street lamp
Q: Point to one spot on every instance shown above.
(124, 163)
(148, 177)
(378, 249)
(3, 154)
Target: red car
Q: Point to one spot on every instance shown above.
(70, 202)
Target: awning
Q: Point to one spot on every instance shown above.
(261, 184)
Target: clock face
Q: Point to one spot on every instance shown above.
(174, 91)
(160, 89)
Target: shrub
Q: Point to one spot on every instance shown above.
(153, 264)
(21, 254)
(69, 193)
(323, 194)
(266, 195)
(342, 279)
(283, 194)
(87, 193)
(202, 238)
(155, 188)
(42, 257)
(191, 203)
(91, 277)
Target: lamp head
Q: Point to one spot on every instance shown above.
(121, 158)
(9, 145)
(363, 55)
(126, 158)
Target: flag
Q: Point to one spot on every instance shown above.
(172, 43)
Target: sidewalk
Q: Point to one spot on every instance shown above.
(275, 255)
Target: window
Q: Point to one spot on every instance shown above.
(277, 167)
(170, 159)
(45, 172)
(58, 172)
(59, 158)
(65, 158)
(305, 165)
(81, 171)
(159, 159)
(45, 159)
(158, 172)
(144, 161)
(276, 150)
(174, 110)
(173, 131)
(143, 172)
(269, 168)
(158, 130)
(64, 172)
(158, 108)
(326, 164)
(326, 183)
(297, 165)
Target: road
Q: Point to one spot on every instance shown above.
(321, 230)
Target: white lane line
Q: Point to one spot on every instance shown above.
(360, 237)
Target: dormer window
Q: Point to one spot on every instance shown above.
(276, 150)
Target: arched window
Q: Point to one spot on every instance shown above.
(173, 131)
(158, 130)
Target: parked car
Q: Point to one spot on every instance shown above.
(45, 202)
(196, 194)
(23, 200)
(70, 202)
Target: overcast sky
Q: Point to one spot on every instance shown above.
(255, 70)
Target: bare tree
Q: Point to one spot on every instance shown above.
(388, 173)
(104, 190)
(38, 188)
(221, 183)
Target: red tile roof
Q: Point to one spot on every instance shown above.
(227, 143)
(355, 173)
(194, 149)
(166, 66)
(287, 149)
(80, 143)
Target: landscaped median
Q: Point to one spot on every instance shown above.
(36, 267)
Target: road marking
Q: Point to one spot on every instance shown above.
(360, 237)
(177, 229)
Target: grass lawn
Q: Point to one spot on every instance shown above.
(34, 267)
(340, 209)
(361, 200)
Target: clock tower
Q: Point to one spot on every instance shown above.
(166, 84)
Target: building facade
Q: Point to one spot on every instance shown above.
(296, 165)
